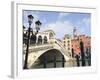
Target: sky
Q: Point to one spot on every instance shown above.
(60, 22)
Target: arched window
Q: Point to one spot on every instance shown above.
(50, 35)
(39, 39)
(33, 39)
(45, 39)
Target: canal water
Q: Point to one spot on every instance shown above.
(58, 64)
(54, 59)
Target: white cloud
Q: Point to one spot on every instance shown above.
(43, 21)
(34, 14)
(84, 26)
(61, 15)
(60, 28)
(86, 21)
(65, 27)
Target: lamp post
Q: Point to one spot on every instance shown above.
(37, 26)
(30, 20)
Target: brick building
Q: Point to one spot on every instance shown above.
(75, 43)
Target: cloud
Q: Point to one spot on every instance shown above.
(84, 26)
(43, 21)
(60, 28)
(66, 27)
(86, 21)
(61, 25)
(62, 15)
(35, 14)
(25, 18)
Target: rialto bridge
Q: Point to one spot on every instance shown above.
(46, 45)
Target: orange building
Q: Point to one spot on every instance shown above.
(75, 46)
(75, 42)
(86, 40)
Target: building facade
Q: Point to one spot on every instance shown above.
(67, 43)
(75, 43)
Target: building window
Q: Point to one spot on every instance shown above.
(68, 41)
(88, 43)
(50, 35)
(67, 37)
(68, 48)
(64, 41)
(68, 44)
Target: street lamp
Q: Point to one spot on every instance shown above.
(37, 25)
(30, 20)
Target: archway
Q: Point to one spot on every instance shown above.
(33, 39)
(50, 59)
(51, 35)
(39, 39)
(45, 39)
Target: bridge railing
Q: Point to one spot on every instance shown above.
(62, 47)
(34, 48)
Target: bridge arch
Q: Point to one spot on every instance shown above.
(49, 54)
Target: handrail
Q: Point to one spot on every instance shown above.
(43, 46)
(39, 47)
(62, 47)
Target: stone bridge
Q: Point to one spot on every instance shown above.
(35, 51)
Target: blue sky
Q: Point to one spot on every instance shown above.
(60, 22)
